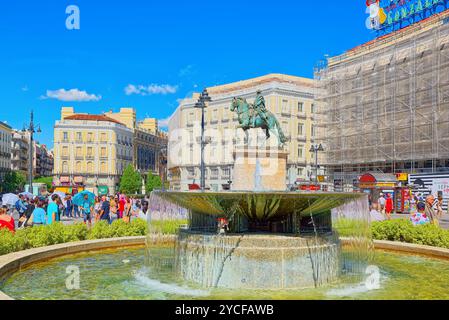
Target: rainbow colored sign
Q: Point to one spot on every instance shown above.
(386, 16)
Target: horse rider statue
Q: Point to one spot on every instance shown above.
(260, 108)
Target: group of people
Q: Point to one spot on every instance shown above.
(423, 209)
(47, 210)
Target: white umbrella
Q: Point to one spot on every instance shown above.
(27, 195)
(9, 199)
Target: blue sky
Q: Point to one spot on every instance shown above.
(168, 48)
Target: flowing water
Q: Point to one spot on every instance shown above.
(104, 275)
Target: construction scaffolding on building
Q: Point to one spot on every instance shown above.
(385, 105)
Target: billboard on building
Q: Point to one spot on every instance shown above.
(386, 16)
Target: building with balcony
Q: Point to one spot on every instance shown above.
(43, 161)
(90, 151)
(5, 149)
(289, 98)
(20, 156)
(149, 141)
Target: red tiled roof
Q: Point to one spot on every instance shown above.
(91, 117)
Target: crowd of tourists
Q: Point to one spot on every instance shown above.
(423, 209)
(46, 210)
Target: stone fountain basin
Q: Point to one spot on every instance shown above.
(259, 205)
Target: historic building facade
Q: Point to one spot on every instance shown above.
(289, 98)
(5, 149)
(91, 151)
(149, 142)
(20, 144)
(43, 161)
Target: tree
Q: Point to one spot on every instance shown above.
(131, 181)
(47, 180)
(153, 182)
(14, 181)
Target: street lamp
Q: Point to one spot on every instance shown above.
(201, 104)
(315, 149)
(32, 130)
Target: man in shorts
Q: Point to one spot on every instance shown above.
(87, 209)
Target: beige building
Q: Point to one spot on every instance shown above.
(91, 151)
(149, 142)
(290, 98)
(5, 149)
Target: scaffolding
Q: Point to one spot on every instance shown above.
(384, 106)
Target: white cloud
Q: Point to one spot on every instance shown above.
(151, 89)
(71, 95)
(25, 89)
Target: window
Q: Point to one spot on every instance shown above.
(313, 131)
(65, 167)
(65, 136)
(79, 152)
(78, 168)
(312, 108)
(227, 172)
(300, 107)
(215, 115)
(300, 129)
(90, 137)
(214, 173)
(89, 151)
(300, 172)
(90, 167)
(65, 151)
(285, 107)
(103, 167)
(103, 137)
(79, 137)
(191, 172)
(301, 152)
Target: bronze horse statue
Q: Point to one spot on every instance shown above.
(250, 119)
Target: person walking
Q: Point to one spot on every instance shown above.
(53, 210)
(6, 221)
(127, 213)
(121, 206)
(87, 209)
(69, 207)
(430, 209)
(38, 216)
(381, 202)
(389, 206)
(97, 208)
(105, 210)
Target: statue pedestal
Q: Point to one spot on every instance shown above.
(260, 169)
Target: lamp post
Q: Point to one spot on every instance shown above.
(31, 130)
(201, 104)
(315, 149)
(163, 163)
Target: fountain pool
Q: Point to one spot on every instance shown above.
(123, 274)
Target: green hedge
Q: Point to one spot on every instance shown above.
(404, 231)
(57, 233)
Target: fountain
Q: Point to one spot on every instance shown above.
(276, 239)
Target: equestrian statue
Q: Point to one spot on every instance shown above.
(252, 116)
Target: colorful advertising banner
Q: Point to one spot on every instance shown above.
(387, 16)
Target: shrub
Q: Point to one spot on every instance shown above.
(405, 231)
